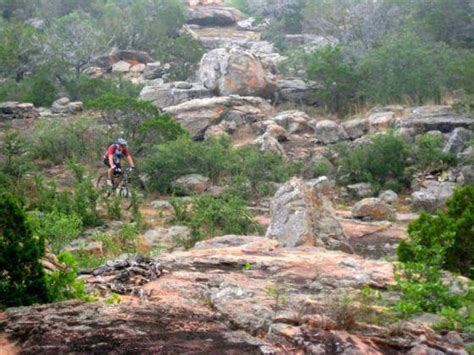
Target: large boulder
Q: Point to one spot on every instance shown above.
(372, 209)
(191, 184)
(213, 16)
(381, 121)
(295, 122)
(268, 143)
(12, 110)
(175, 93)
(435, 118)
(229, 71)
(64, 106)
(302, 214)
(296, 90)
(432, 195)
(329, 132)
(199, 114)
(356, 128)
(458, 141)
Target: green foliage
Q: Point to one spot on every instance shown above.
(448, 236)
(15, 161)
(85, 88)
(60, 140)
(114, 207)
(140, 121)
(57, 228)
(405, 66)
(322, 167)
(216, 159)
(22, 280)
(428, 152)
(212, 216)
(447, 239)
(64, 285)
(381, 162)
(80, 201)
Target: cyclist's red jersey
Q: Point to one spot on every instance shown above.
(116, 149)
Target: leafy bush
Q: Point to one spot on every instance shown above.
(337, 78)
(59, 141)
(381, 162)
(86, 88)
(57, 228)
(22, 280)
(15, 162)
(80, 201)
(140, 121)
(447, 239)
(448, 236)
(209, 216)
(405, 66)
(428, 152)
(64, 285)
(216, 159)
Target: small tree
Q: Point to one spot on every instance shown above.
(337, 78)
(449, 233)
(22, 279)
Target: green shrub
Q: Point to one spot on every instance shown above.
(242, 5)
(80, 201)
(140, 121)
(337, 78)
(405, 66)
(322, 167)
(381, 162)
(22, 279)
(57, 228)
(428, 152)
(60, 140)
(212, 216)
(444, 241)
(449, 233)
(216, 159)
(64, 285)
(15, 160)
(86, 88)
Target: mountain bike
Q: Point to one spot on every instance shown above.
(125, 182)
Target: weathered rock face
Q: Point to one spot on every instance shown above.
(302, 214)
(360, 190)
(356, 128)
(389, 197)
(193, 183)
(432, 195)
(372, 209)
(199, 114)
(296, 90)
(172, 94)
(12, 110)
(64, 106)
(458, 141)
(194, 299)
(435, 118)
(121, 67)
(213, 16)
(268, 143)
(295, 122)
(329, 132)
(131, 56)
(229, 71)
(379, 122)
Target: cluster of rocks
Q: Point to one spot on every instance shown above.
(12, 110)
(124, 276)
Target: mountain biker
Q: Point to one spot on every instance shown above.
(113, 156)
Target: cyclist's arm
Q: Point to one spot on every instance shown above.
(129, 157)
(130, 161)
(111, 161)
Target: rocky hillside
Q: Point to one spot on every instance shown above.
(318, 276)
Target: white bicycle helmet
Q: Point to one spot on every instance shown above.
(122, 142)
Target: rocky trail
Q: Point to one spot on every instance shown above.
(296, 290)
